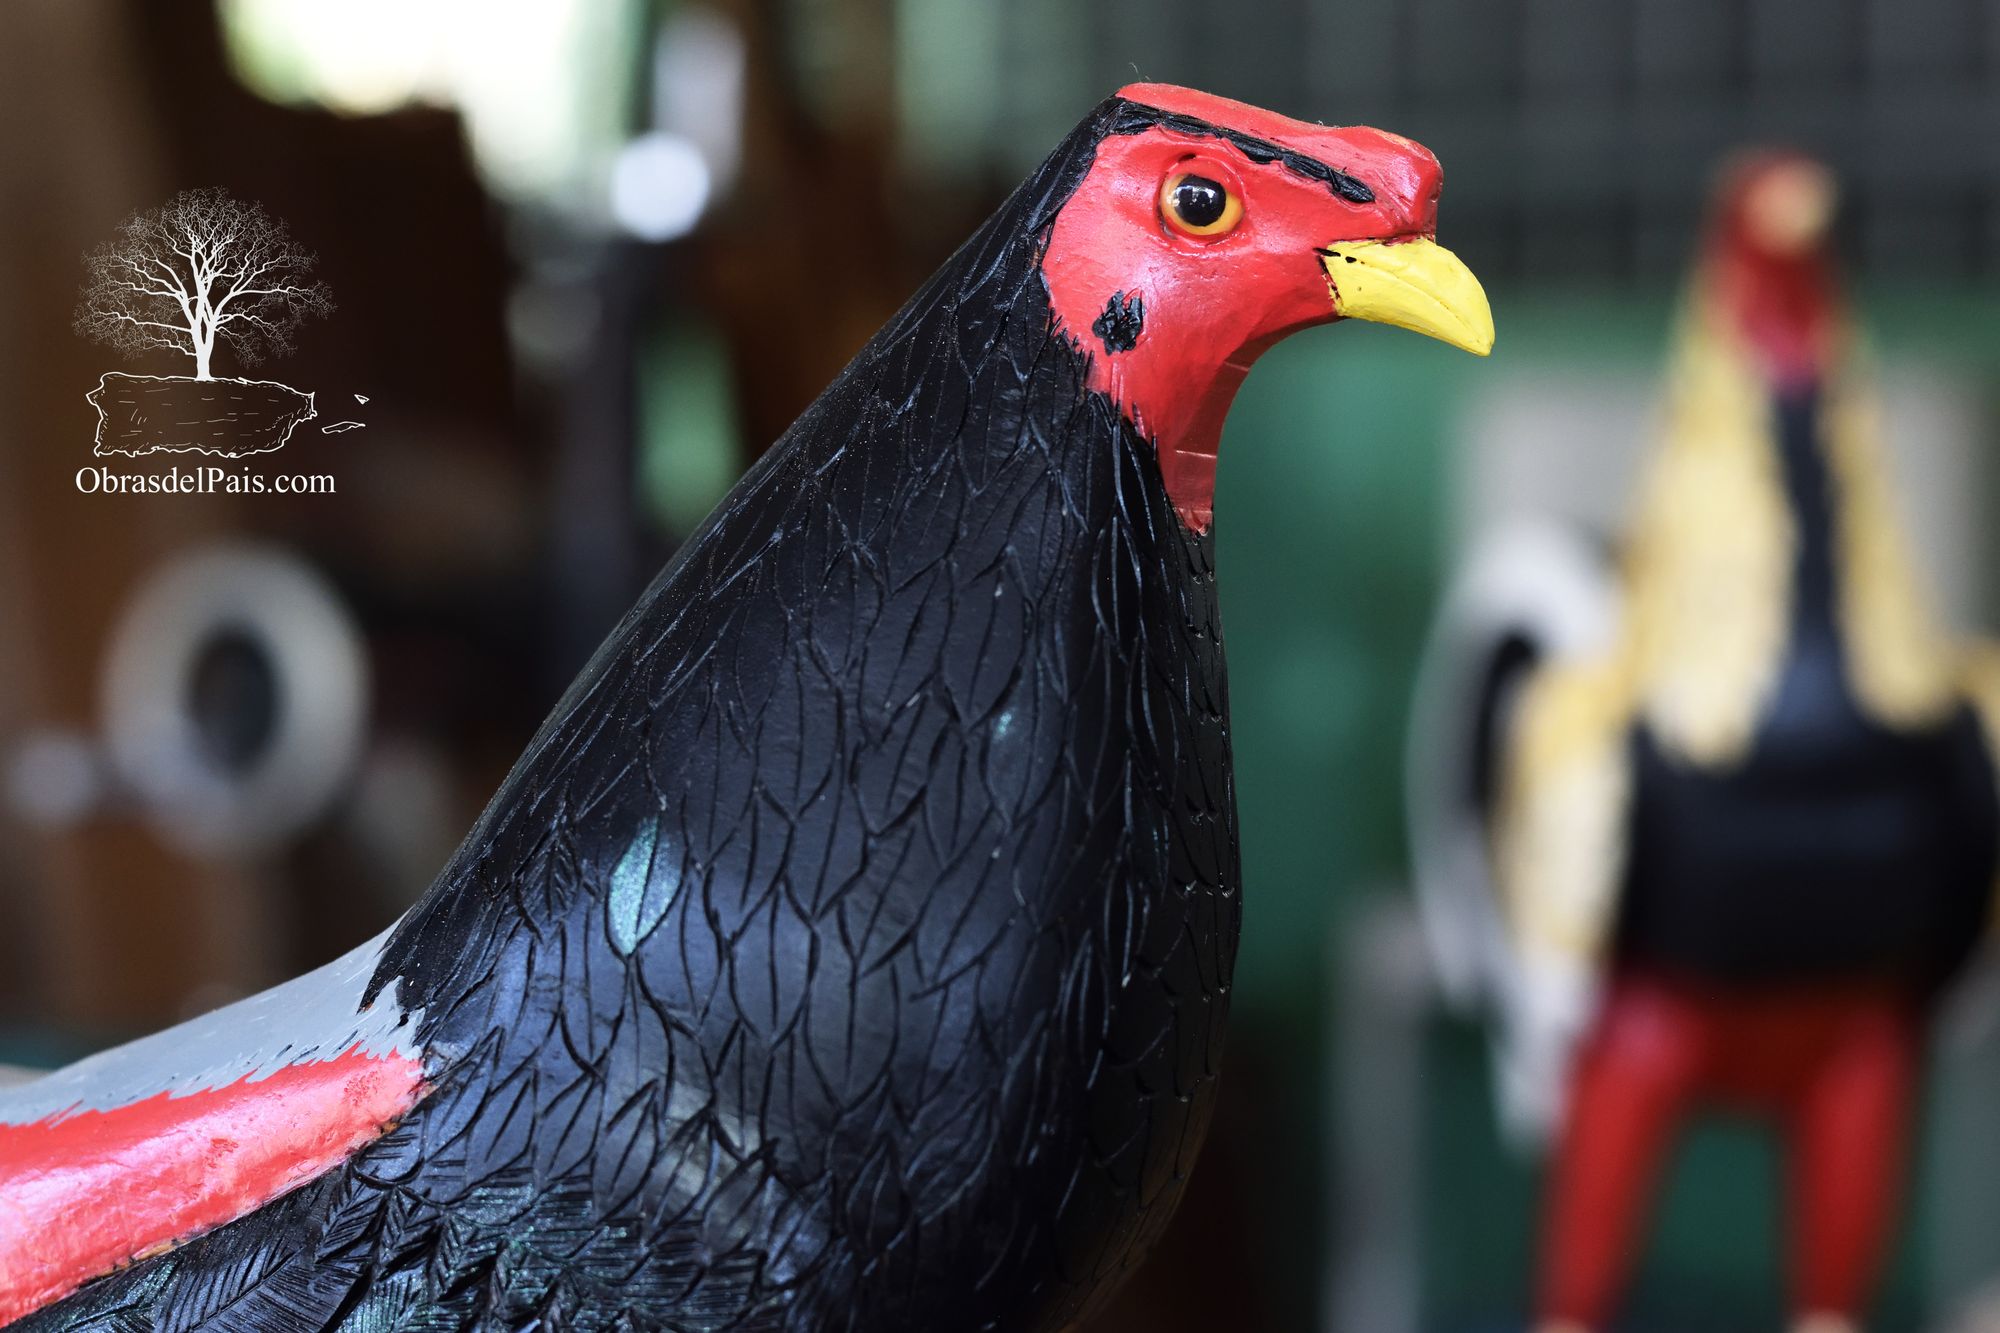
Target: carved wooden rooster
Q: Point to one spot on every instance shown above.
(1741, 849)
(852, 947)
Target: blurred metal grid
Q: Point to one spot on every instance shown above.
(1579, 136)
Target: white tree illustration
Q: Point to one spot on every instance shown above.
(201, 269)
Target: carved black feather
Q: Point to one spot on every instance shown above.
(851, 949)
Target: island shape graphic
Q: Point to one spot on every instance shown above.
(150, 414)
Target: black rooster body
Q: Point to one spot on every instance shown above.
(852, 947)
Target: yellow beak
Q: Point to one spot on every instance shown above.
(1414, 284)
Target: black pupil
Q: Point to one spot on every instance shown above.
(1199, 201)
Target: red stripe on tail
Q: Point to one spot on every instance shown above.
(83, 1194)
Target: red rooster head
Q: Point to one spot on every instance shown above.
(1768, 263)
(1205, 230)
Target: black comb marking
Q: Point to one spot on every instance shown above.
(1136, 117)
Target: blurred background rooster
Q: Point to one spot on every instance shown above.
(1740, 805)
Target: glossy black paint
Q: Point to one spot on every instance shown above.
(851, 949)
(1123, 320)
(1199, 201)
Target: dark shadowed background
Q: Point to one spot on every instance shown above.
(590, 256)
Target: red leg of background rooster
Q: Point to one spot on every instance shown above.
(1848, 1131)
(1632, 1085)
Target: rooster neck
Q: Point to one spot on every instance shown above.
(1785, 310)
(1812, 501)
(900, 811)
(1811, 715)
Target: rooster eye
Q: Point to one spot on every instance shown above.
(1199, 206)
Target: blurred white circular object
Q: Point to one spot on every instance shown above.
(235, 697)
(660, 185)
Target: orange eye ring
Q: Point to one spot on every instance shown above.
(1197, 205)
